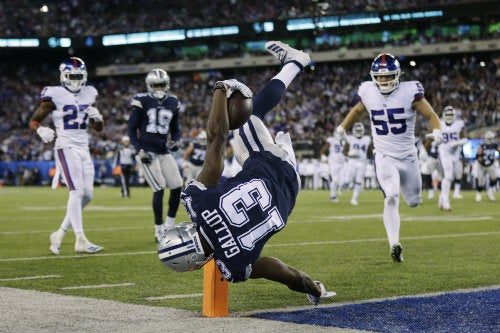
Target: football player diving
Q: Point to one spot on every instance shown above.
(232, 221)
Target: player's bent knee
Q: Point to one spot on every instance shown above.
(391, 200)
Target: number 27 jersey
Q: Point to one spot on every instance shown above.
(392, 117)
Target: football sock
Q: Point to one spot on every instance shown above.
(169, 222)
(174, 201)
(287, 74)
(392, 221)
(74, 210)
(158, 206)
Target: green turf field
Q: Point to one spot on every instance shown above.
(341, 245)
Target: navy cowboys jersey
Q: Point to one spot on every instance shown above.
(489, 152)
(197, 157)
(152, 120)
(238, 216)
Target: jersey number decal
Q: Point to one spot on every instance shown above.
(239, 201)
(70, 118)
(158, 121)
(395, 125)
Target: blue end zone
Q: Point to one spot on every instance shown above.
(474, 312)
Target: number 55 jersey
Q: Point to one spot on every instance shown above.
(392, 117)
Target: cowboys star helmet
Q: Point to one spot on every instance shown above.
(202, 138)
(73, 74)
(387, 66)
(358, 129)
(180, 248)
(449, 115)
(158, 83)
(489, 136)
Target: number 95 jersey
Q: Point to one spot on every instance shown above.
(69, 117)
(392, 117)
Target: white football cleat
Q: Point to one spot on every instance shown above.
(286, 54)
(315, 300)
(478, 197)
(457, 196)
(55, 243)
(87, 247)
(490, 194)
(354, 202)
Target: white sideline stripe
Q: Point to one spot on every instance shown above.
(32, 277)
(100, 286)
(476, 234)
(159, 298)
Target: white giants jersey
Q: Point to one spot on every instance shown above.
(358, 147)
(335, 153)
(70, 117)
(392, 117)
(451, 134)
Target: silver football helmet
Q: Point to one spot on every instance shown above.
(449, 115)
(358, 129)
(73, 74)
(158, 83)
(180, 248)
(202, 138)
(489, 136)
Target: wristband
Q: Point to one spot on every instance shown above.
(34, 124)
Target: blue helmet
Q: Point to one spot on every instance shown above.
(73, 74)
(387, 66)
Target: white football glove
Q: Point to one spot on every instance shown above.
(340, 133)
(436, 136)
(235, 85)
(145, 157)
(46, 134)
(324, 158)
(94, 114)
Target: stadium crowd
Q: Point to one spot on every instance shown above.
(312, 108)
(76, 17)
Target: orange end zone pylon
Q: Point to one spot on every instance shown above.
(215, 291)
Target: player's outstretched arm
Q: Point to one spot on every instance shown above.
(217, 134)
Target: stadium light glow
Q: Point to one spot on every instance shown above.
(19, 42)
(143, 37)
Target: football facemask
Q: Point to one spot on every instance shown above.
(385, 72)
(73, 74)
(180, 248)
(158, 83)
(449, 115)
(358, 129)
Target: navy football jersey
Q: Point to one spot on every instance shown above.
(238, 216)
(151, 120)
(489, 151)
(197, 157)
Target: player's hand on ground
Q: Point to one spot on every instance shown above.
(174, 146)
(46, 134)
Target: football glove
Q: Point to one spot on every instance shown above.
(235, 85)
(174, 146)
(145, 157)
(46, 134)
(94, 114)
(340, 133)
(436, 136)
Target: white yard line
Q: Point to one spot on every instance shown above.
(159, 298)
(32, 277)
(366, 240)
(97, 286)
